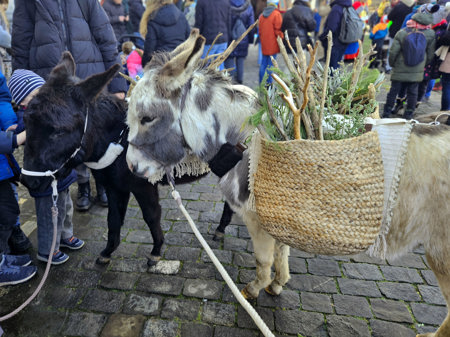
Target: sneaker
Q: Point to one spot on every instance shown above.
(17, 260)
(72, 243)
(58, 258)
(18, 241)
(10, 275)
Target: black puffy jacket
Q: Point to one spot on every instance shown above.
(136, 9)
(298, 21)
(114, 11)
(44, 29)
(212, 18)
(167, 29)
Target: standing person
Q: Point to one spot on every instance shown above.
(13, 269)
(43, 30)
(117, 15)
(212, 18)
(163, 26)
(378, 34)
(403, 52)
(333, 24)
(241, 10)
(24, 85)
(299, 22)
(136, 9)
(270, 22)
(399, 10)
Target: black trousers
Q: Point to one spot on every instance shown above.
(9, 211)
(411, 98)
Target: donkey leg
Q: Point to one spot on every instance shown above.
(281, 264)
(225, 220)
(263, 245)
(117, 207)
(147, 197)
(443, 277)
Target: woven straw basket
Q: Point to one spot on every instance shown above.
(322, 197)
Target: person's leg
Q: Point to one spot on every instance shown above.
(387, 67)
(68, 240)
(337, 53)
(265, 59)
(429, 89)
(240, 69)
(411, 99)
(18, 242)
(84, 189)
(390, 98)
(9, 210)
(229, 64)
(216, 49)
(445, 99)
(422, 88)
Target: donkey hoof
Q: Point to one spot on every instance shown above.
(103, 260)
(271, 291)
(247, 294)
(218, 236)
(153, 260)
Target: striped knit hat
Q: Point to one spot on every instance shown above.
(22, 83)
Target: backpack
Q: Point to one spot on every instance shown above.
(414, 47)
(351, 26)
(238, 29)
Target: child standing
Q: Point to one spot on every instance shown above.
(378, 35)
(400, 55)
(270, 22)
(24, 85)
(133, 59)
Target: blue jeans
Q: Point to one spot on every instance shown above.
(266, 62)
(337, 54)
(238, 64)
(445, 100)
(216, 49)
(45, 223)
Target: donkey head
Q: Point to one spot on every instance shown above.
(156, 139)
(55, 120)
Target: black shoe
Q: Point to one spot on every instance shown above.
(408, 114)
(84, 197)
(18, 241)
(102, 199)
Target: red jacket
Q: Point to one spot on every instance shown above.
(269, 29)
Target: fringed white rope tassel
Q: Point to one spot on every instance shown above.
(247, 306)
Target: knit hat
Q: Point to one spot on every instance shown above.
(272, 2)
(22, 83)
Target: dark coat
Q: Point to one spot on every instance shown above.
(397, 16)
(113, 11)
(167, 29)
(298, 21)
(212, 18)
(39, 37)
(244, 10)
(333, 22)
(136, 9)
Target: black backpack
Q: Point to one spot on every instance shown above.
(414, 47)
(238, 29)
(351, 26)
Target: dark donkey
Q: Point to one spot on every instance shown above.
(55, 120)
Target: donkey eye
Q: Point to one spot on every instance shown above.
(147, 119)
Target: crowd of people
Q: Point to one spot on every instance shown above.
(411, 41)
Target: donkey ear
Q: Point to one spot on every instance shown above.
(93, 85)
(179, 69)
(65, 68)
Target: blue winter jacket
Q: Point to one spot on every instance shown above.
(7, 118)
(333, 21)
(167, 29)
(244, 10)
(44, 29)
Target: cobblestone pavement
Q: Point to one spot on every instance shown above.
(326, 296)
